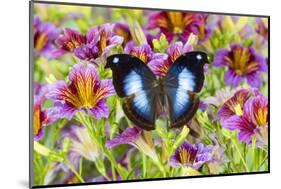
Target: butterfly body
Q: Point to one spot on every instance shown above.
(146, 97)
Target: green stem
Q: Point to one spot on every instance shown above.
(239, 153)
(143, 165)
(74, 171)
(161, 167)
(90, 130)
(81, 166)
(254, 154)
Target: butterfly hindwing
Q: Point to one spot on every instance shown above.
(133, 80)
(184, 79)
(140, 109)
(182, 105)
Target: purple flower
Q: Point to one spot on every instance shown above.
(137, 138)
(145, 53)
(242, 62)
(44, 35)
(200, 28)
(81, 142)
(179, 24)
(219, 155)
(41, 118)
(59, 167)
(98, 41)
(233, 106)
(123, 31)
(85, 91)
(160, 67)
(192, 155)
(253, 122)
(262, 28)
(220, 97)
(70, 40)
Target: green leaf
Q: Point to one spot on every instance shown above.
(40, 149)
(136, 31)
(182, 136)
(160, 45)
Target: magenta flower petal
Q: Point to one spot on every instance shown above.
(232, 123)
(93, 46)
(161, 63)
(234, 105)
(85, 91)
(254, 80)
(100, 110)
(219, 59)
(45, 34)
(243, 63)
(180, 25)
(42, 118)
(192, 155)
(122, 30)
(130, 135)
(232, 79)
(70, 40)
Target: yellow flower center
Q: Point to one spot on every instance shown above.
(240, 62)
(140, 55)
(85, 93)
(103, 41)
(36, 120)
(185, 157)
(71, 45)
(261, 117)
(238, 110)
(41, 41)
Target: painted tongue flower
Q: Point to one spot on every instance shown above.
(192, 155)
(98, 41)
(253, 122)
(242, 62)
(201, 29)
(262, 28)
(161, 67)
(179, 24)
(123, 31)
(81, 142)
(137, 138)
(44, 35)
(85, 91)
(70, 40)
(145, 53)
(41, 118)
(234, 105)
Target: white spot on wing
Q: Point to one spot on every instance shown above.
(115, 60)
(186, 80)
(132, 83)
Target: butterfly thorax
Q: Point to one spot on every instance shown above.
(160, 95)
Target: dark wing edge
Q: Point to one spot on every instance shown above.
(139, 120)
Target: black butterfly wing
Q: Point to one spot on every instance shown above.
(133, 80)
(184, 79)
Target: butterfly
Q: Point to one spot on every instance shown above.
(146, 97)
